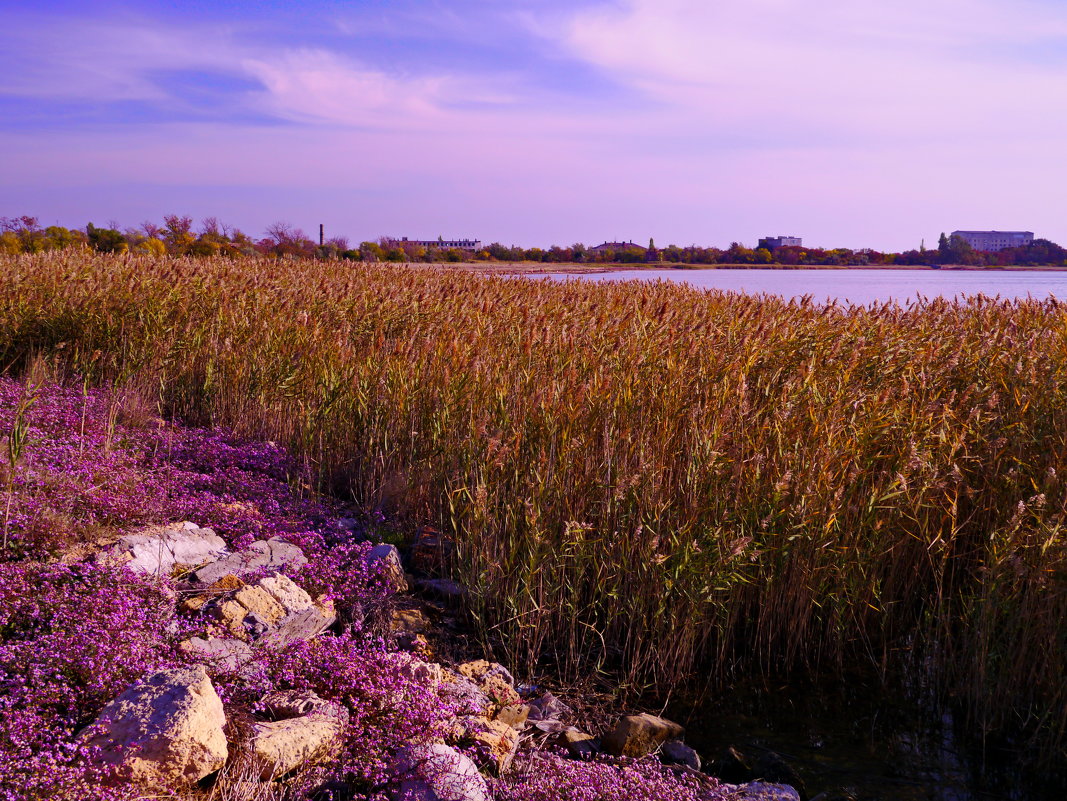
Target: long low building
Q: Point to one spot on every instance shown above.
(990, 241)
(772, 242)
(444, 244)
(606, 246)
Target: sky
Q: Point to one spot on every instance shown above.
(851, 123)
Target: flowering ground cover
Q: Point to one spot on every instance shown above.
(73, 636)
(548, 777)
(94, 464)
(84, 465)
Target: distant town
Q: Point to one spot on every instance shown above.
(179, 236)
(961, 247)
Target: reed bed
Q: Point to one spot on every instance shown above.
(644, 482)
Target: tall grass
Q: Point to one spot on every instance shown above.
(645, 480)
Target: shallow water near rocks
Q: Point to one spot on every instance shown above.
(852, 744)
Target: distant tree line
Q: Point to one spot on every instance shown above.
(177, 236)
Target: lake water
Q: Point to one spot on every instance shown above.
(861, 287)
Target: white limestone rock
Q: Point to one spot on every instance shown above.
(437, 772)
(157, 550)
(273, 554)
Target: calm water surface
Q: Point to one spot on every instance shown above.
(861, 287)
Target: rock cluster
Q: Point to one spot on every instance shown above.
(492, 713)
(306, 731)
(272, 608)
(170, 730)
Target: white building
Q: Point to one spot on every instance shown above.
(989, 241)
(772, 242)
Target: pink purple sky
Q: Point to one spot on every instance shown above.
(849, 122)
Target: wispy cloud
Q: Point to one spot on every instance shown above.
(315, 85)
(133, 59)
(835, 65)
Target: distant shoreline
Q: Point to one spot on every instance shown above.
(577, 268)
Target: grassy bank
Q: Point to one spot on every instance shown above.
(641, 479)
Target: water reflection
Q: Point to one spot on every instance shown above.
(850, 743)
(860, 287)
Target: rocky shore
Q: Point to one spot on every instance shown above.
(277, 648)
(488, 736)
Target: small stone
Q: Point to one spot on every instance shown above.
(500, 692)
(493, 681)
(293, 704)
(675, 752)
(289, 595)
(299, 626)
(222, 654)
(497, 740)
(480, 669)
(578, 744)
(227, 583)
(515, 715)
(196, 603)
(437, 772)
(232, 616)
(640, 735)
(765, 791)
(548, 707)
(385, 559)
(259, 601)
(467, 696)
(410, 621)
(193, 605)
(285, 745)
(501, 740)
(473, 670)
(428, 674)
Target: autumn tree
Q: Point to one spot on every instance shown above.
(762, 256)
(59, 238)
(959, 250)
(151, 246)
(178, 234)
(739, 254)
(106, 240)
(284, 239)
(370, 251)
